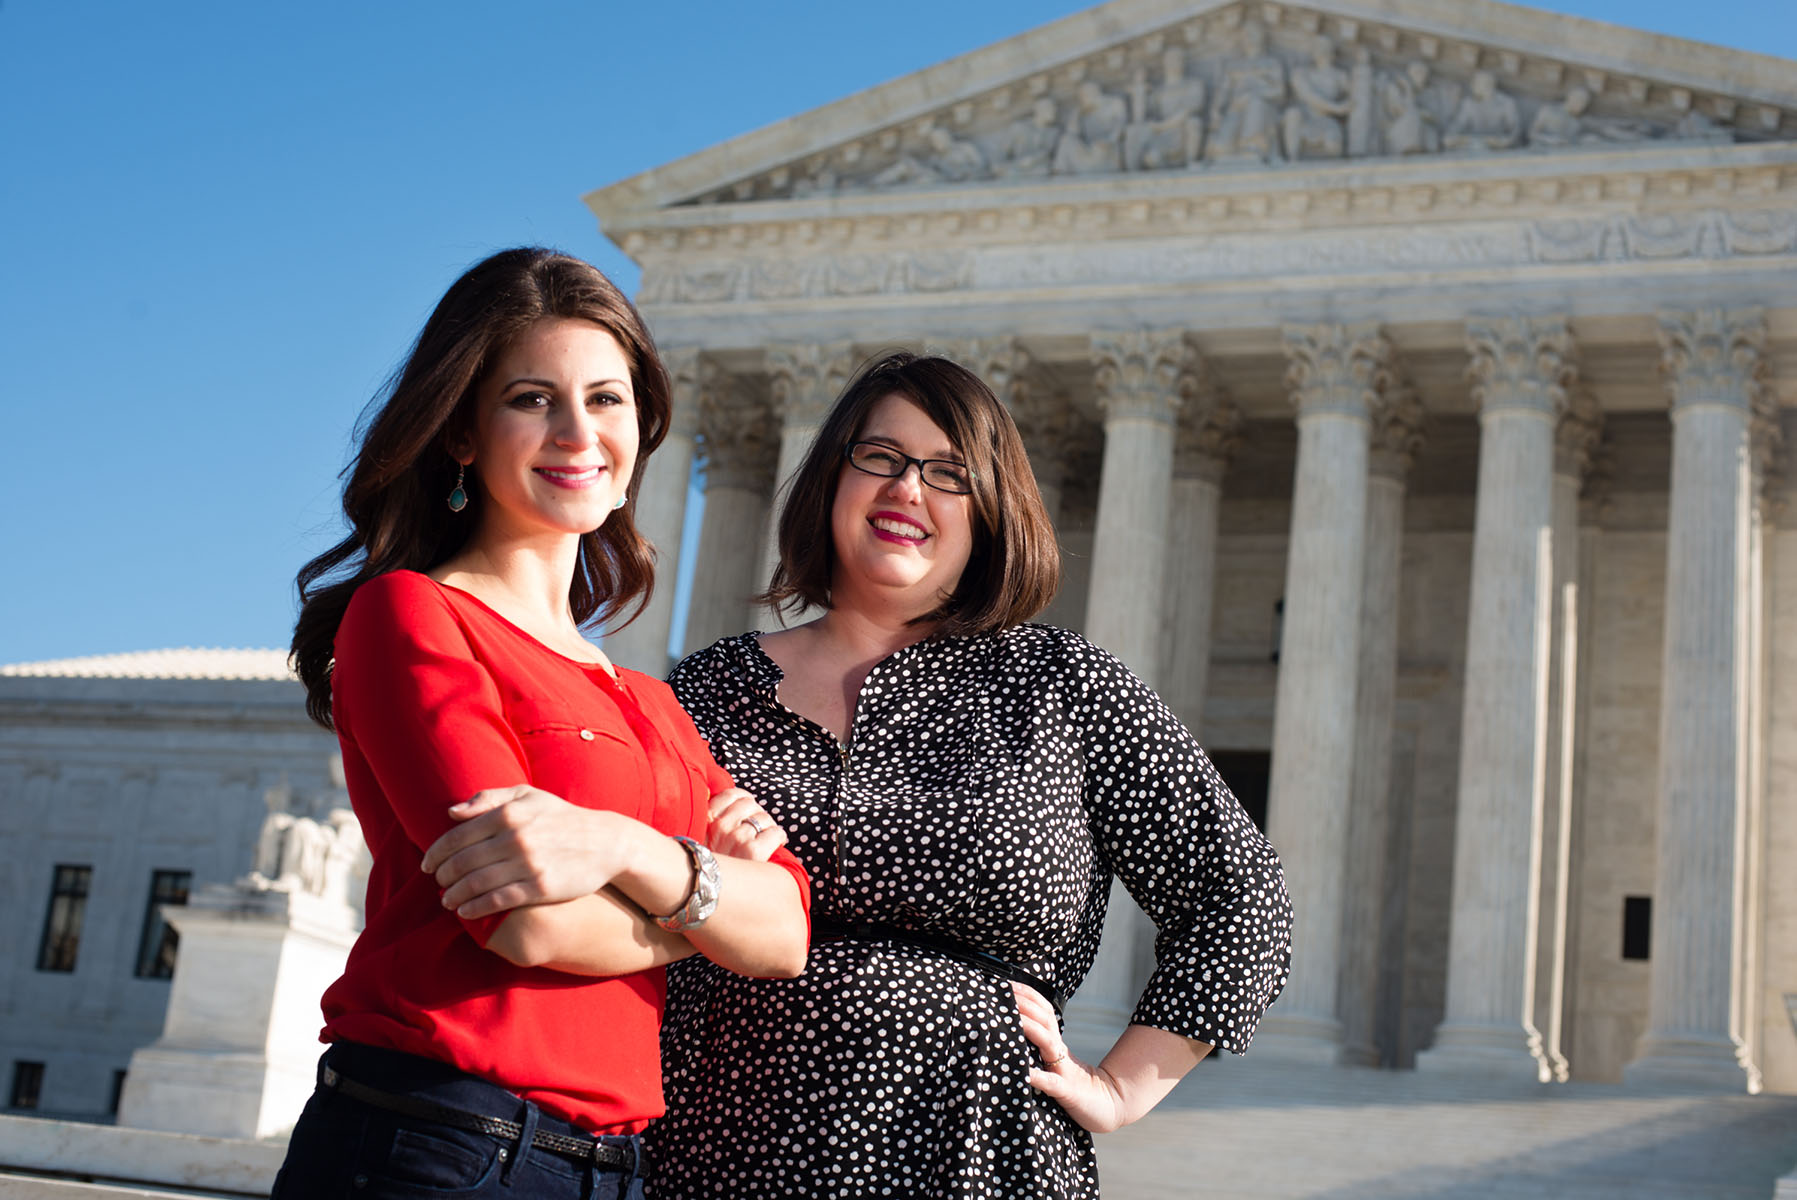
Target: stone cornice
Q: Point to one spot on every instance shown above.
(1303, 196)
(1516, 44)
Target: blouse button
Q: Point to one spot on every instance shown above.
(586, 735)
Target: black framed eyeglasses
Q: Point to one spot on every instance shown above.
(877, 458)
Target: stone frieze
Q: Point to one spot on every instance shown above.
(1654, 237)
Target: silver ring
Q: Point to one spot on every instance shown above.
(755, 825)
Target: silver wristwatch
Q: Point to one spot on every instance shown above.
(702, 901)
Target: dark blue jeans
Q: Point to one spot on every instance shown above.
(344, 1148)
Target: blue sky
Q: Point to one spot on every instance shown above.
(222, 223)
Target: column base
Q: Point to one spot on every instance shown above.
(1296, 1038)
(1489, 1051)
(1697, 1063)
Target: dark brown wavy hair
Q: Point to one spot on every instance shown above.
(1015, 565)
(395, 497)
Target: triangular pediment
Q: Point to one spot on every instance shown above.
(1160, 86)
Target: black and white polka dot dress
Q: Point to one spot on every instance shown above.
(991, 787)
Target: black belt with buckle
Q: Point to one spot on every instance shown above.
(610, 1157)
(827, 929)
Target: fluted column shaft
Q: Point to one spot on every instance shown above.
(1521, 368)
(1369, 802)
(1138, 380)
(1138, 376)
(1209, 432)
(803, 381)
(1338, 376)
(661, 515)
(739, 461)
(1574, 445)
(1713, 361)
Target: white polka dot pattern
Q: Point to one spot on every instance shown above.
(991, 788)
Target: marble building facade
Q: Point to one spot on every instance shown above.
(1412, 387)
(120, 773)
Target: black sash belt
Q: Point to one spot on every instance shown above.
(826, 929)
(610, 1157)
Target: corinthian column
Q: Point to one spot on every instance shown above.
(1722, 429)
(1521, 368)
(1138, 376)
(1208, 435)
(1574, 447)
(740, 452)
(803, 381)
(1395, 440)
(1041, 418)
(1338, 375)
(661, 515)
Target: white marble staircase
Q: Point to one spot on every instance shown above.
(1239, 1130)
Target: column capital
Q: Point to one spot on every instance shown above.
(1717, 356)
(1576, 438)
(1397, 432)
(1141, 374)
(1335, 368)
(1045, 423)
(1526, 363)
(687, 371)
(1714, 356)
(806, 377)
(740, 435)
(1001, 363)
(1209, 431)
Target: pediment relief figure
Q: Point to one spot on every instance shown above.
(1092, 143)
(1315, 124)
(1250, 102)
(1168, 129)
(1027, 145)
(1249, 86)
(1487, 119)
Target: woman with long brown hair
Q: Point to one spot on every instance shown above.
(495, 1029)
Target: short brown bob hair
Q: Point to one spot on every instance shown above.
(1015, 565)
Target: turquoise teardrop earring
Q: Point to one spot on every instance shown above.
(458, 498)
(622, 501)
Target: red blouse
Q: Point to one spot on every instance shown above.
(435, 697)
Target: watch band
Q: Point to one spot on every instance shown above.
(702, 901)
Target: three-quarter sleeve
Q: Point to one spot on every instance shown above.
(422, 712)
(1172, 832)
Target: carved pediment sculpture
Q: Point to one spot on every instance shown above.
(1260, 84)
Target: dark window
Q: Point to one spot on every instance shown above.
(1637, 927)
(27, 1083)
(118, 1091)
(1248, 774)
(62, 924)
(156, 948)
